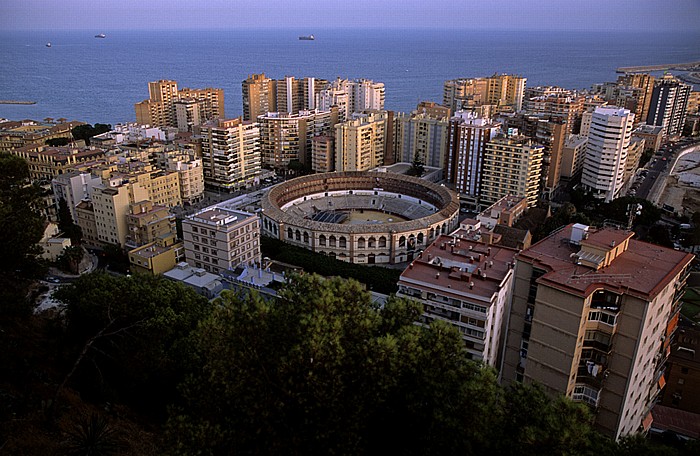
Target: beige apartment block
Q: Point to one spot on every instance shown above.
(591, 316)
(634, 156)
(156, 257)
(160, 109)
(190, 173)
(148, 223)
(85, 219)
(351, 96)
(467, 283)
(572, 155)
(111, 207)
(512, 166)
(219, 239)
(231, 156)
(359, 143)
(503, 91)
(258, 96)
(423, 135)
(323, 153)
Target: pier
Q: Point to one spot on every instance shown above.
(671, 66)
(20, 102)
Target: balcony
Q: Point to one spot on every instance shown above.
(591, 374)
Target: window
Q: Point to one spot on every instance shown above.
(602, 317)
(585, 394)
(322, 240)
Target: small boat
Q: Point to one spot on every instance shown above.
(48, 45)
(101, 35)
(307, 37)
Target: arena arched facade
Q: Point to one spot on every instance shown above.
(324, 213)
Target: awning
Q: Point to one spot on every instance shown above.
(646, 422)
(662, 382)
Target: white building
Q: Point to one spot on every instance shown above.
(606, 152)
(352, 96)
(74, 187)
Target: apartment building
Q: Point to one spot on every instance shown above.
(360, 143)
(351, 96)
(512, 165)
(466, 282)
(323, 153)
(424, 135)
(47, 162)
(195, 105)
(634, 156)
(147, 223)
(592, 315)
(503, 91)
(74, 187)
(290, 95)
(156, 257)
(190, 173)
(573, 154)
(231, 153)
(606, 152)
(259, 96)
(110, 203)
(669, 102)
(220, 239)
(16, 134)
(567, 106)
(286, 137)
(468, 136)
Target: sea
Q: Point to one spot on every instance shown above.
(80, 77)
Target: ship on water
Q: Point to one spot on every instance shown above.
(101, 35)
(307, 37)
(48, 45)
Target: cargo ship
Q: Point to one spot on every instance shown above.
(307, 37)
(101, 35)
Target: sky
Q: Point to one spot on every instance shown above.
(105, 15)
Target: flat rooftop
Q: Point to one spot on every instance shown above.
(643, 269)
(452, 264)
(219, 216)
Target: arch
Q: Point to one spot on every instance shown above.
(332, 255)
(371, 242)
(306, 237)
(432, 232)
(443, 229)
(274, 229)
(290, 233)
(402, 241)
(343, 242)
(331, 242)
(420, 238)
(382, 242)
(361, 243)
(297, 235)
(412, 242)
(322, 240)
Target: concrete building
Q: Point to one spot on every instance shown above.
(147, 223)
(74, 187)
(286, 137)
(351, 96)
(503, 91)
(47, 162)
(195, 105)
(424, 135)
(566, 105)
(573, 154)
(653, 136)
(323, 153)
(466, 283)
(589, 319)
(683, 379)
(360, 143)
(468, 135)
(16, 134)
(634, 156)
(506, 211)
(190, 173)
(606, 152)
(85, 219)
(111, 202)
(156, 257)
(512, 165)
(219, 239)
(231, 154)
(668, 106)
(258, 96)
(204, 283)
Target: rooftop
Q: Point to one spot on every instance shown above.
(461, 267)
(641, 269)
(219, 216)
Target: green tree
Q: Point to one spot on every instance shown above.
(57, 142)
(128, 336)
(66, 223)
(23, 226)
(418, 166)
(87, 131)
(323, 370)
(70, 259)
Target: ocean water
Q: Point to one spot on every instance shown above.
(99, 80)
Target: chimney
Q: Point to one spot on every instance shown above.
(471, 285)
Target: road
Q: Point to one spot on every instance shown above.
(659, 167)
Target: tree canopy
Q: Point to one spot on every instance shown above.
(87, 131)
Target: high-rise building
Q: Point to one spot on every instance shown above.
(644, 82)
(634, 156)
(360, 143)
(169, 107)
(467, 283)
(323, 153)
(423, 135)
(258, 96)
(669, 102)
(503, 91)
(512, 165)
(190, 173)
(351, 96)
(148, 223)
(467, 136)
(573, 154)
(230, 153)
(219, 239)
(286, 137)
(591, 318)
(568, 106)
(606, 152)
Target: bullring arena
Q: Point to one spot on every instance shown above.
(360, 217)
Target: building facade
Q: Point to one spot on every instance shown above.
(606, 152)
(219, 239)
(668, 105)
(360, 143)
(231, 155)
(591, 314)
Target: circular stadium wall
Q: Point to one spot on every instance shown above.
(360, 217)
